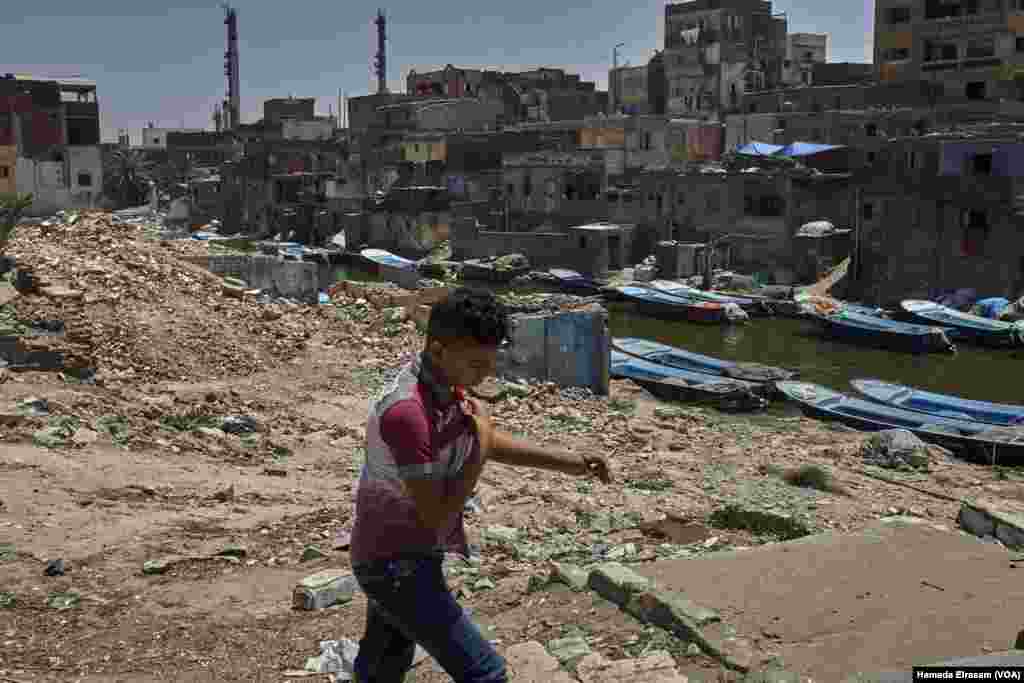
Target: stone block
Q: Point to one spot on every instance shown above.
(975, 521)
(617, 583)
(999, 519)
(531, 663)
(656, 667)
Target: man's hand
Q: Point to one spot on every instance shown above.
(597, 466)
(481, 417)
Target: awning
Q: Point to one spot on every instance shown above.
(805, 149)
(759, 149)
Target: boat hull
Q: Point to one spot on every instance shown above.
(886, 334)
(962, 435)
(672, 384)
(751, 306)
(908, 398)
(968, 327)
(662, 354)
(657, 304)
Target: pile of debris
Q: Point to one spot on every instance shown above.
(545, 303)
(131, 311)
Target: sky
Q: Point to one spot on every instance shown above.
(166, 66)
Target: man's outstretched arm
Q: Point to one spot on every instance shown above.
(508, 450)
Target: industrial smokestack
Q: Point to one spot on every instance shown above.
(231, 112)
(380, 63)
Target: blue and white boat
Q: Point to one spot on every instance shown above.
(675, 384)
(890, 334)
(570, 279)
(901, 396)
(969, 327)
(673, 357)
(381, 257)
(994, 443)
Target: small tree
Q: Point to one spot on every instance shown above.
(12, 207)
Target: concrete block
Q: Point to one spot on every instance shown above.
(617, 583)
(994, 519)
(656, 667)
(531, 663)
(671, 611)
(323, 589)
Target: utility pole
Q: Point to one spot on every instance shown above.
(614, 84)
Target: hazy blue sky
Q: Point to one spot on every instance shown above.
(154, 63)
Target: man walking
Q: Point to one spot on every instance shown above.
(427, 444)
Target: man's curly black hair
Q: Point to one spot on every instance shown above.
(469, 314)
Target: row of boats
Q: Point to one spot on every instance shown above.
(990, 430)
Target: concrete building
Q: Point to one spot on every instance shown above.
(50, 134)
(156, 138)
(638, 89)
(803, 52)
(943, 212)
(317, 129)
(717, 50)
(278, 110)
(968, 48)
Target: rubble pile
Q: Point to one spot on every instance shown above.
(134, 312)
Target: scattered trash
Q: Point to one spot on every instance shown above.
(239, 424)
(324, 589)
(8, 600)
(34, 407)
(311, 552)
(55, 568)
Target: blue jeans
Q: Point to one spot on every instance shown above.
(409, 603)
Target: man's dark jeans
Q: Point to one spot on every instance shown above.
(409, 602)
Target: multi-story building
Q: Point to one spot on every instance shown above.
(638, 89)
(803, 51)
(716, 50)
(50, 141)
(969, 48)
(156, 138)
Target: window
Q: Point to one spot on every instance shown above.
(805, 77)
(868, 211)
(896, 54)
(510, 189)
(871, 157)
(5, 172)
(975, 90)
(85, 179)
(981, 164)
(981, 48)
(898, 15)
(912, 160)
(1020, 42)
(871, 130)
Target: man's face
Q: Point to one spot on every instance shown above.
(465, 362)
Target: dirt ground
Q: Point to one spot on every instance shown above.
(142, 473)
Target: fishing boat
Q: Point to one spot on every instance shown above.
(969, 327)
(381, 257)
(678, 308)
(890, 334)
(663, 354)
(942, 405)
(751, 305)
(570, 279)
(675, 384)
(995, 443)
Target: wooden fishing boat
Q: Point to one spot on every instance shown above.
(750, 305)
(969, 327)
(663, 354)
(675, 384)
(381, 257)
(889, 334)
(992, 443)
(674, 307)
(943, 405)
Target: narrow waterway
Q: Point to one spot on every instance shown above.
(972, 372)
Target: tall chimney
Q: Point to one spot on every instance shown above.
(380, 63)
(231, 112)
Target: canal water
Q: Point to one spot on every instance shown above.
(972, 372)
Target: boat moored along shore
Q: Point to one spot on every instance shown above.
(901, 396)
(969, 327)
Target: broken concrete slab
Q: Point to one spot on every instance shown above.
(656, 667)
(903, 592)
(671, 611)
(531, 663)
(569, 650)
(1002, 519)
(617, 583)
(571, 575)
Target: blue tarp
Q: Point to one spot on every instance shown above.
(805, 149)
(758, 149)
